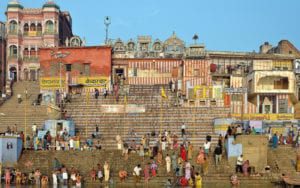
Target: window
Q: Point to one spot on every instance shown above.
(87, 68)
(26, 29)
(39, 29)
(282, 106)
(49, 27)
(69, 67)
(13, 27)
(134, 71)
(236, 97)
(281, 83)
(13, 51)
(32, 27)
(32, 52)
(26, 52)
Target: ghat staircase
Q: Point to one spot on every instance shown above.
(84, 161)
(11, 112)
(160, 114)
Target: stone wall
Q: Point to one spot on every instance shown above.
(255, 149)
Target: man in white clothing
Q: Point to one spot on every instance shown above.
(137, 173)
(239, 164)
(168, 163)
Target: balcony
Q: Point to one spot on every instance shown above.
(12, 33)
(50, 33)
(271, 82)
(13, 58)
(33, 34)
(30, 59)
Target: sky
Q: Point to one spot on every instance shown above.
(227, 25)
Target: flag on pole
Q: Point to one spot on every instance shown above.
(163, 93)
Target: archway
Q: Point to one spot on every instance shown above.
(32, 75)
(38, 74)
(26, 74)
(13, 27)
(49, 27)
(13, 74)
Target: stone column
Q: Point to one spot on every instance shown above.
(257, 103)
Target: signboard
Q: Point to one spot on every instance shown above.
(51, 83)
(236, 90)
(217, 92)
(94, 81)
(203, 92)
(264, 116)
(257, 125)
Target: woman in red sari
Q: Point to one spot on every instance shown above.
(183, 153)
(200, 157)
(153, 168)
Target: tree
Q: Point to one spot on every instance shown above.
(195, 38)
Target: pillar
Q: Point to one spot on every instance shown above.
(246, 103)
(257, 103)
(277, 107)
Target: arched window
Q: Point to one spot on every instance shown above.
(32, 27)
(26, 29)
(49, 27)
(13, 27)
(13, 51)
(26, 52)
(39, 29)
(32, 52)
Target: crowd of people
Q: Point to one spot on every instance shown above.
(289, 136)
(167, 150)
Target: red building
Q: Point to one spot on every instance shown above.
(89, 67)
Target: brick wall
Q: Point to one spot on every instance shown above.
(99, 59)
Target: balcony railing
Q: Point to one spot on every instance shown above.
(33, 34)
(13, 57)
(50, 33)
(12, 32)
(30, 59)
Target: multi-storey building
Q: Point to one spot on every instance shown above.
(29, 29)
(2, 56)
(248, 82)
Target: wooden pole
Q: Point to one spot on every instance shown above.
(25, 119)
(125, 104)
(161, 118)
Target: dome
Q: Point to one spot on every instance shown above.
(174, 40)
(14, 4)
(50, 4)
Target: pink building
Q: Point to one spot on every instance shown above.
(30, 29)
(2, 56)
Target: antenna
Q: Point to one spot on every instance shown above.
(107, 22)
